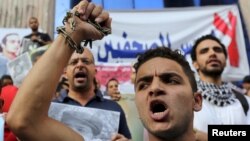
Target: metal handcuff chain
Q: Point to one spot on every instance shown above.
(70, 17)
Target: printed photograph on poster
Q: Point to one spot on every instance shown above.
(19, 68)
(36, 53)
(93, 124)
(28, 45)
(10, 46)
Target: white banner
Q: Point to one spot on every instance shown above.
(136, 31)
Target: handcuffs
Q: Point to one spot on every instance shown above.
(70, 17)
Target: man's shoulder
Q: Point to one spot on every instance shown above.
(43, 34)
(235, 88)
(247, 98)
(111, 105)
(109, 101)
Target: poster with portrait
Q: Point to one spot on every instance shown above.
(19, 68)
(93, 124)
(11, 38)
(10, 45)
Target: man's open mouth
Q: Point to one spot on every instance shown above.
(158, 109)
(80, 76)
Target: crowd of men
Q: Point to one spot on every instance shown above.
(172, 104)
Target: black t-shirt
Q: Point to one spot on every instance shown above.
(43, 36)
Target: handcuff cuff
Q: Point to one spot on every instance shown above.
(70, 17)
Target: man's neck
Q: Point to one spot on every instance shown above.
(82, 97)
(188, 136)
(34, 31)
(209, 79)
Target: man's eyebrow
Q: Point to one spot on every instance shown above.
(204, 48)
(169, 74)
(146, 78)
(81, 58)
(164, 74)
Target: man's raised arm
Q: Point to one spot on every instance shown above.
(28, 115)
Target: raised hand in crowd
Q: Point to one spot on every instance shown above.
(28, 115)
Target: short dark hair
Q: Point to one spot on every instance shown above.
(6, 76)
(206, 37)
(4, 40)
(246, 79)
(165, 52)
(111, 79)
(33, 18)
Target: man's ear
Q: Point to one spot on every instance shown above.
(197, 101)
(96, 71)
(65, 72)
(196, 66)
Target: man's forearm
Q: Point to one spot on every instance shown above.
(36, 92)
(28, 115)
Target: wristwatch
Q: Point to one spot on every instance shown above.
(40, 40)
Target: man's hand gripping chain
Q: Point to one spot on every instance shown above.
(70, 17)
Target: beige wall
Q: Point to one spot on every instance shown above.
(245, 9)
(15, 13)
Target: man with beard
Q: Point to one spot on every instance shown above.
(28, 117)
(39, 39)
(166, 95)
(220, 105)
